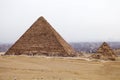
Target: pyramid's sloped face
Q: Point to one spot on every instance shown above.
(39, 39)
(105, 50)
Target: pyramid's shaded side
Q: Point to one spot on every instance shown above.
(104, 52)
(41, 39)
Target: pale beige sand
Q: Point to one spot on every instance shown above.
(46, 68)
(2, 52)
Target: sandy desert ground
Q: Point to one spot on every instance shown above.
(46, 68)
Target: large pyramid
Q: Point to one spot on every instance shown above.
(104, 52)
(41, 39)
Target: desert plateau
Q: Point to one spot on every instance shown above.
(57, 68)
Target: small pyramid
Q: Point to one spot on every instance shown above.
(104, 52)
(41, 39)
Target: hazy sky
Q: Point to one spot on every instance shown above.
(75, 20)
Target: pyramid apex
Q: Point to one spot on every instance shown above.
(105, 44)
(41, 17)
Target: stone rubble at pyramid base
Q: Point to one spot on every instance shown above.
(102, 57)
(45, 54)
